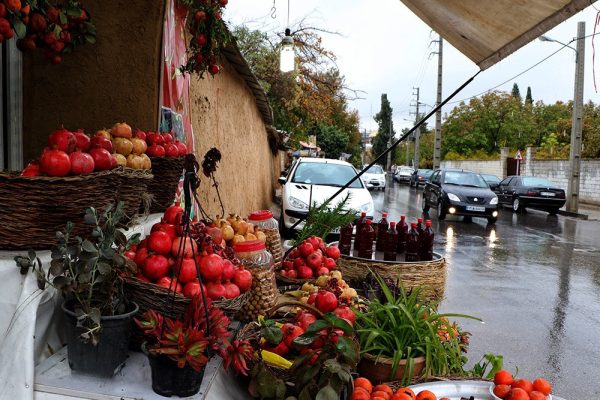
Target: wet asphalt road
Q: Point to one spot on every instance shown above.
(534, 280)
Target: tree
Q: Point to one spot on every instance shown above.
(528, 98)
(386, 129)
(331, 139)
(515, 91)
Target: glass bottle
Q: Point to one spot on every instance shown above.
(382, 228)
(402, 229)
(427, 242)
(366, 242)
(346, 238)
(412, 244)
(360, 222)
(390, 243)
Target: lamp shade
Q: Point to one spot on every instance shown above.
(287, 55)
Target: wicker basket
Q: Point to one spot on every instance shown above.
(167, 172)
(32, 209)
(430, 275)
(133, 190)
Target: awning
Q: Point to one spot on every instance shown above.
(486, 31)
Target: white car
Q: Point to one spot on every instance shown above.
(374, 178)
(403, 174)
(314, 180)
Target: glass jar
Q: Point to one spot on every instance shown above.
(254, 256)
(263, 219)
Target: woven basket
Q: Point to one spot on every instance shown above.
(133, 190)
(167, 172)
(33, 208)
(430, 275)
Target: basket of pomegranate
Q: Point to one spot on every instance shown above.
(309, 260)
(74, 172)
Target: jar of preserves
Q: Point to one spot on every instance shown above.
(254, 257)
(263, 219)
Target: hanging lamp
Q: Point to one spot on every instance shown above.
(286, 53)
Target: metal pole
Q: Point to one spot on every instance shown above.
(417, 136)
(576, 125)
(437, 143)
(390, 141)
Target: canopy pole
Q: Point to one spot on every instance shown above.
(395, 144)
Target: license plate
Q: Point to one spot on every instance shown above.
(336, 230)
(475, 208)
(548, 194)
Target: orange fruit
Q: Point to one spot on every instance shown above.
(383, 388)
(401, 396)
(502, 390)
(379, 393)
(360, 394)
(535, 395)
(542, 386)
(363, 383)
(503, 377)
(426, 395)
(517, 394)
(524, 384)
(407, 391)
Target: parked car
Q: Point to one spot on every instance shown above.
(403, 174)
(460, 192)
(314, 180)
(419, 177)
(374, 178)
(521, 192)
(491, 179)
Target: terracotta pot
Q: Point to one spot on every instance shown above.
(379, 369)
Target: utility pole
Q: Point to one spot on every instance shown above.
(437, 142)
(390, 142)
(576, 126)
(417, 131)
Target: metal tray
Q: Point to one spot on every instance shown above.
(455, 390)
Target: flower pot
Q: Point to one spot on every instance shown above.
(106, 358)
(169, 380)
(379, 369)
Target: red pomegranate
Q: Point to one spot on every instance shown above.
(101, 142)
(81, 163)
(181, 147)
(211, 267)
(242, 279)
(326, 301)
(171, 150)
(231, 290)
(346, 313)
(170, 284)
(228, 270)
(171, 213)
(188, 248)
(155, 267)
(55, 163)
(215, 290)
(156, 150)
(192, 289)
(160, 242)
(63, 140)
(102, 159)
(83, 141)
(32, 169)
(185, 270)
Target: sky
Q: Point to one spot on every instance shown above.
(387, 49)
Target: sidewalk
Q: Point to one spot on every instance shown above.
(589, 212)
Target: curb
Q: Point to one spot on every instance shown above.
(573, 214)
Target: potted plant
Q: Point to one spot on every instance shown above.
(402, 336)
(178, 350)
(88, 273)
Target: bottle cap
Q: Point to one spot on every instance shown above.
(420, 220)
(363, 214)
(402, 217)
(260, 215)
(384, 215)
(413, 224)
(369, 222)
(392, 224)
(428, 222)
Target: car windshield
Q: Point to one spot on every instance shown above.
(425, 172)
(535, 181)
(406, 171)
(490, 178)
(375, 169)
(464, 179)
(325, 174)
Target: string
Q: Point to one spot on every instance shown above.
(288, 16)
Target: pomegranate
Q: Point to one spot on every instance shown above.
(103, 160)
(193, 288)
(304, 272)
(122, 130)
(287, 265)
(228, 270)
(167, 137)
(228, 232)
(104, 133)
(139, 146)
(37, 22)
(146, 163)
(140, 256)
(154, 138)
(156, 150)
(55, 163)
(32, 169)
(63, 140)
(345, 313)
(82, 141)
(292, 273)
(214, 68)
(290, 332)
(170, 284)
(160, 242)
(140, 134)
(163, 226)
(135, 162)
(171, 150)
(211, 267)
(155, 266)
(81, 163)
(101, 142)
(185, 270)
(311, 298)
(314, 260)
(333, 252)
(113, 162)
(215, 290)
(142, 278)
(171, 213)
(231, 290)
(182, 148)
(188, 248)
(305, 319)
(329, 263)
(129, 254)
(122, 146)
(201, 39)
(326, 301)
(216, 234)
(242, 279)
(299, 262)
(322, 271)
(306, 249)
(121, 160)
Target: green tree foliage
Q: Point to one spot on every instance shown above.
(385, 131)
(515, 91)
(528, 98)
(332, 140)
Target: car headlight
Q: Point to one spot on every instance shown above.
(296, 203)
(453, 197)
(494, 200)
(366, 208)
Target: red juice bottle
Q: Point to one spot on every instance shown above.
(427, 242)
(412, 244)
(402, 229)
(382, 228)
(366, 242)
(360, 222)
(346, 238)
(391, 241)
(420, 225)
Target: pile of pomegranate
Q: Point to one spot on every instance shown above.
(310, 259)
(332, 283)
(235, 229)
(76, 153)
(167, 259)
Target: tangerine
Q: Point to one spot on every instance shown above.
(360, 394)
(503, 377)
(501, 390)
(401, 396)
(407, 391)
(542, 386)
(517, 394)
(524, 384)
(535, 395)
(426, 395)
(379, 393)
(383, 388)
(363, 383)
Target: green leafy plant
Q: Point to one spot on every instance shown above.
(404, 326)
(487, 366)
(88, 271)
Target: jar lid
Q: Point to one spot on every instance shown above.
(249, 245)
(260, 215)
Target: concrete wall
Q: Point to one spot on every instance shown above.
(480, 166)
(225, 116)
(116, 79)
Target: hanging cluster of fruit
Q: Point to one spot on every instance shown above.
(208, 35)
(39, 24)
(75, 153)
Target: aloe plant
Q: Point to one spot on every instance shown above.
(404, 326)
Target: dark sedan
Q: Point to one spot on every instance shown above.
(460, 192)
(530, 191)
(419, 177)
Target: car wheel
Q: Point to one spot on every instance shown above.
(468, 219)
(285, 232)
(425, 205)
(492, 220)
(553, 211)
(516, 205)
(441, 209)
